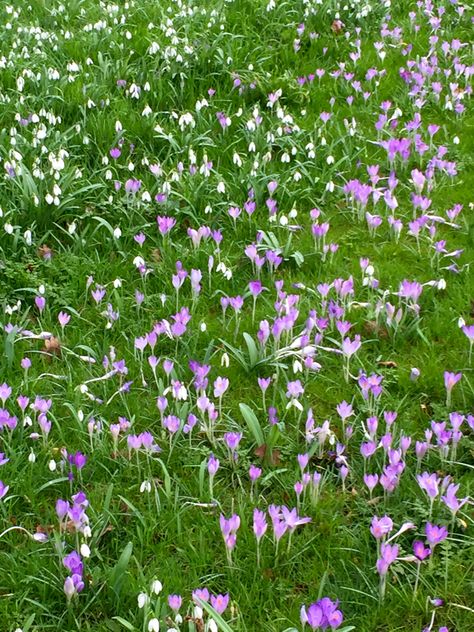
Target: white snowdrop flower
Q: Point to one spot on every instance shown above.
(208, 209)
(85, 551)
(85, 140)
(32, 457)
(128, 35)
(294, 151)
(80, 415)
(146, 197)
(27, 237)
(156, 587)
(163, 298)
(145, 487)
(117, 232)
(330, 186)
(441, 285)
(236, 159)
(221, 187)
(153, 625)
(456, 140)
(186, 120)
(297, 176)
(397, 113)
(118, 126)
(211, 624)
(285, 157)
(252, 147)
(153, 48)
(178, 619)
(83, 388)
(330, 160)
(225, 360)
(117, 283)
(27, 421)
(147, 111)
(87, 533)
(461, 322)
(143, 600)
(323, 141)
(49, 198)
(139, 261)
(131, 166)
(370, 270)
(71, 229)
(105, 160)
(283, 220)
(297, 366)
(108, 175)
(52, 465)
(203, 327)
(293, 214)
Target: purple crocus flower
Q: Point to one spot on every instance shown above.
(420, 551)
(380, 527)
(435, 534)
(175, 602)
(3, 489)
(220, 602)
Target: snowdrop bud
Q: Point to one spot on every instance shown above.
(118, 126)
(80, 415)
(27, 237)
(297, 366)
(117, 233)
(153, 625)
(32, 457)
(198, 613)
(225, 360)
(71, 229)
(156, 587)
(461, 322)
(52, 465)
(203, 327)
(41, 289)
(85, 550)
(212, 626)
(143, 599)
(456, 140)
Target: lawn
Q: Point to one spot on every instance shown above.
(237, 301)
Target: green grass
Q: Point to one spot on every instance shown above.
(171, 533)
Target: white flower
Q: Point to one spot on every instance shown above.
(153, 625)
(212, 626)
(143, 599)
(85, 550)
(156, 586)
(117, 233)
(52, 465)
(145, 487)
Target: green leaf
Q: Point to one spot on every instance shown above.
(125, 623)
(252, 423)
(252, 349)
(117, 576)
